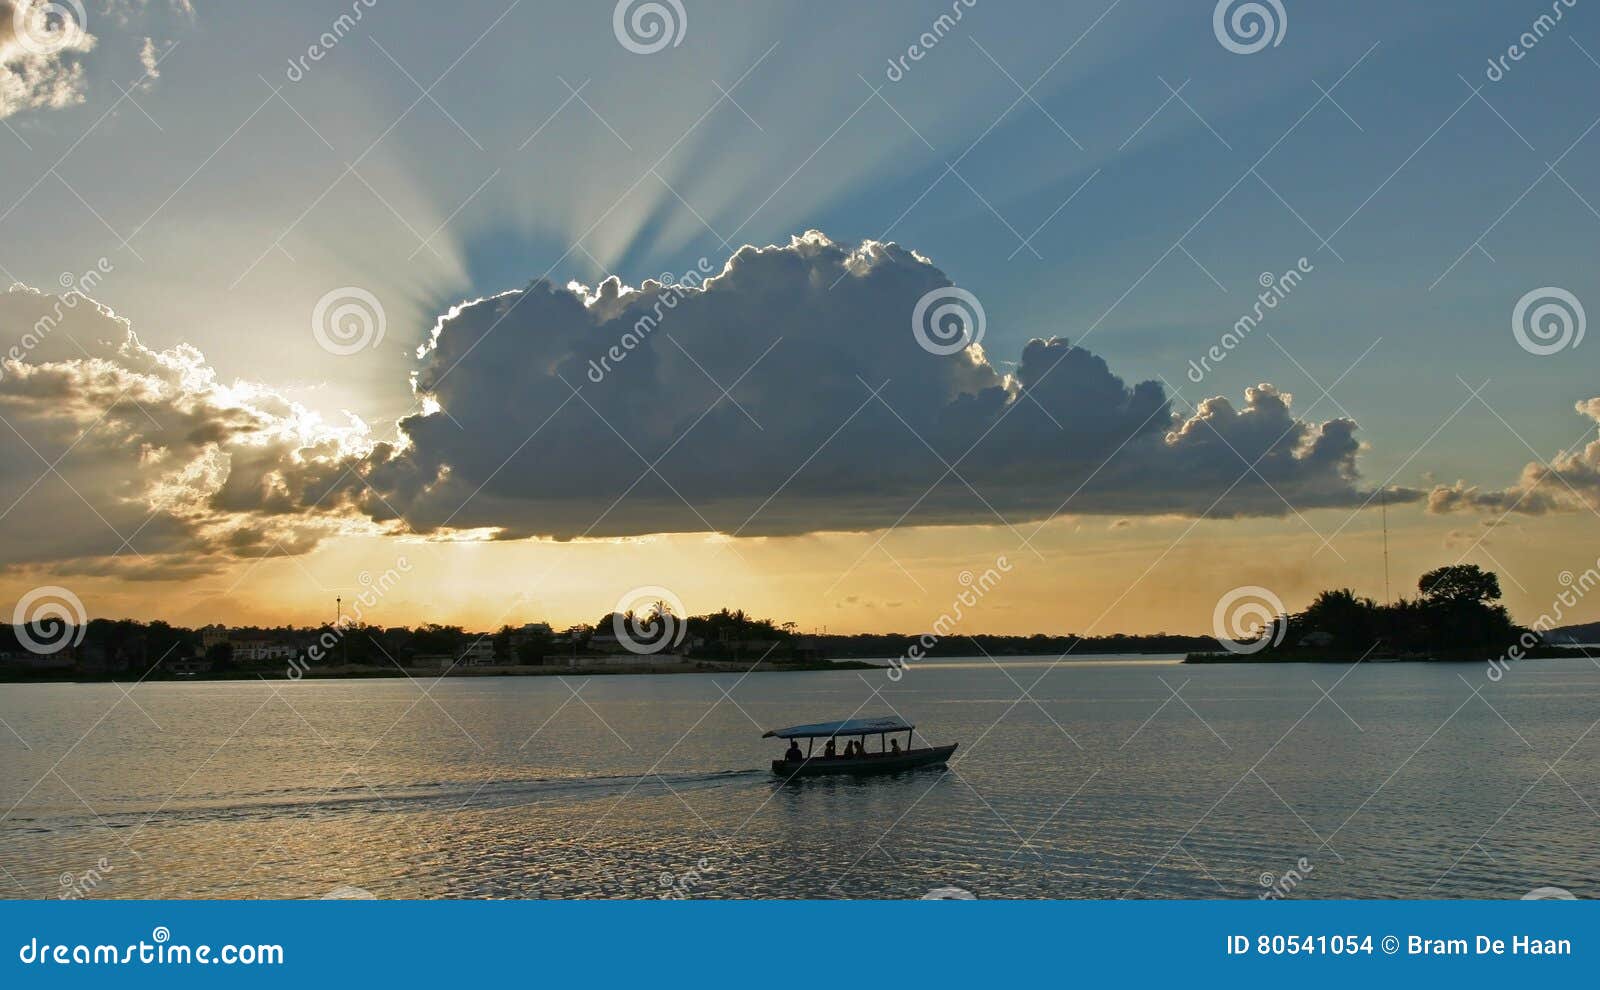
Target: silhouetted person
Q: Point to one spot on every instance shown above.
(794, 755)
(896, 744)
(830, 752)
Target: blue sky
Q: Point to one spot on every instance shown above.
(818, 150)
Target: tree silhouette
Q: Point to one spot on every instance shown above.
(1459, 584)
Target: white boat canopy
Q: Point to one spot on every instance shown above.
(848, 727)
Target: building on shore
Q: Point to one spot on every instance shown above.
(623, 659)
(262, 650)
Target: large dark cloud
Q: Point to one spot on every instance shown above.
(542, 431)
(570, 412)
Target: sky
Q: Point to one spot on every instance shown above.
(538, 304)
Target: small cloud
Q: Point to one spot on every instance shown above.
(41, 56)
(150, 58)
(1568, 482)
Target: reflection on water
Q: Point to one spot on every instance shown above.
(1095, 778)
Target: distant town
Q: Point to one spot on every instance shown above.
(653, 641)
(1455, 616)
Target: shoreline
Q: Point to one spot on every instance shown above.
(1459, 656)
(353, 673)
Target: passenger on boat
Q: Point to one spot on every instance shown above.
(830, 752)
(794, 755)
(895, 743)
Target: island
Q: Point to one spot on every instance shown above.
(1456, 616)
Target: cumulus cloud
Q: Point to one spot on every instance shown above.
(786, 393)
(1569, 482)
(116, 458)
(600, 411)
(41, 56)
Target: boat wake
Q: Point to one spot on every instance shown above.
(364, 798)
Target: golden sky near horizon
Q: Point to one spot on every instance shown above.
(1099, 575)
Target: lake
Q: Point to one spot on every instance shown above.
(1112, 777)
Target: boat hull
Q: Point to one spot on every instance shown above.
(860, 766)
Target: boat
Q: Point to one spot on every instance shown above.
(888, 759)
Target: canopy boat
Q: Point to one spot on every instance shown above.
(889, 757)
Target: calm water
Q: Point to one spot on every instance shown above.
(1102, 785)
